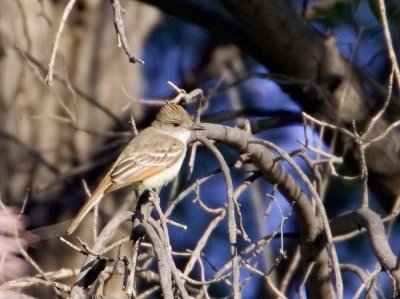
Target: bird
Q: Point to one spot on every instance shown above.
(149, 161)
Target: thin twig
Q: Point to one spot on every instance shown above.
(321, 210)
(131, 289)
(120, 29)
(35, 65)
(388, 39)
(67, 10)
(367, 283)
(201, 243)
(379, 114)
(24, 203)
(134, 128)
(363, 167)
(327, 125)
(232, 227)
(25, 254)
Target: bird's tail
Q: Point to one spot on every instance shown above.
(95, 198)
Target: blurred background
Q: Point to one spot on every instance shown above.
(52, 138)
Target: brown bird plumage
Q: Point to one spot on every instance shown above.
(150, 160)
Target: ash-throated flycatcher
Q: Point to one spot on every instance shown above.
(151, 160)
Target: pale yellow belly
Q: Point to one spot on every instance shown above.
(162, 178)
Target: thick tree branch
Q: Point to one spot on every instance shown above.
(372, 222)
(328, 86)
(309, 224)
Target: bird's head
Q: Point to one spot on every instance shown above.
(173, 117)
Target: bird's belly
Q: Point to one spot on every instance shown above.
(160, 179)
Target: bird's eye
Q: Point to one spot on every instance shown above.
(175, 123)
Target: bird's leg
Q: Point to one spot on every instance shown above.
(153, 192)
(144, 200)
(154, 195)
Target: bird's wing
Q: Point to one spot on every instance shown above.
(143, 158)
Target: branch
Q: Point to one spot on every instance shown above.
(32, 60)
(67, 10)
(309, 224)
(85, 277)
(119, 28)
(232, 227)
(372, 222)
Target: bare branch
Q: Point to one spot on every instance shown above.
(120, 29)
(67, 10)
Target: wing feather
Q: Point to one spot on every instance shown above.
(143, 158)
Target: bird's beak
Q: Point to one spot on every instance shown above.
(197, 127)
